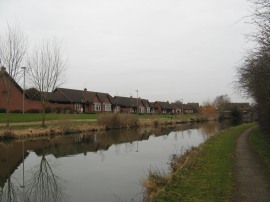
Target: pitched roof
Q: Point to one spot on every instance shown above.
(164, 105)
(71, 95)
(102, 97)
(77, 96)
(3, 72)
(88, 96)
(125, 101)
(32, 93)
(177, 105)
(145, 103)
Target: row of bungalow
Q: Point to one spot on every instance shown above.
(84, 101)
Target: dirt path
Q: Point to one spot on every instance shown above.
(252, 181)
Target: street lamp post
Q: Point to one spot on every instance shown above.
(137, 101)
(182, 106)
(23, 86)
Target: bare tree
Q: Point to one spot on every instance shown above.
(46, 68)
(13, 46)
(254, 74)
(220, 102)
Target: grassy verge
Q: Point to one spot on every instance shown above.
(202, 174)
(261, 142)
(32, 117)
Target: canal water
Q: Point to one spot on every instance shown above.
(107, 166)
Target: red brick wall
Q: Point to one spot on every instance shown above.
(16, 100)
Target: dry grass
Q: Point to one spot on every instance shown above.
(154, 183)
(117, 121)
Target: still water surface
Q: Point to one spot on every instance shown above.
(106, 166)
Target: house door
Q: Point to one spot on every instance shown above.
(85, 108)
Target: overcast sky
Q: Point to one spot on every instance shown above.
(167, 49)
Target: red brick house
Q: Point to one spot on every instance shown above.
(163, 107)
(188, 109)
(243, 108)
(60, 100)
(195, 106)
(83, 101)
(131, 105)
(16, 95)
(177, 107)
(147, 107)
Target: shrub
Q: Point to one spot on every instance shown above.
(16, 111)
(58, 110)
(115, 121)
(33, 111)
(48, 110)
(3, 110)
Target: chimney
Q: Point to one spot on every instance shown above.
(3, 69)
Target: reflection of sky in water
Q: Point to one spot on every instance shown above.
(114, 174)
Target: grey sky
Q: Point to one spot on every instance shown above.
(167, 49)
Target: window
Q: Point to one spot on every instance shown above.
(77, 106)
(97, 107)
(107, 108)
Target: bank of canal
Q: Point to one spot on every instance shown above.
(205, 174)
(105, 166)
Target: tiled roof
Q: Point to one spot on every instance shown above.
(145, 103)
(125, 101)
(77, 96)
(71, 95)
(88, 96)
(177, 105)
(32, 93)
(102, 97)
(165, 105)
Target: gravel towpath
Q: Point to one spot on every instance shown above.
(252, 181)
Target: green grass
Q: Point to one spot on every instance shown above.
(207, 176)
(261, 142)
(32, 117)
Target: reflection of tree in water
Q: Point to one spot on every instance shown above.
(9, 192)
(9, 185)
(44, 185)
(208, 129)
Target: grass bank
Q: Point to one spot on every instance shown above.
(33, 117)
(29, 125)
(202, 174)
(261, 142)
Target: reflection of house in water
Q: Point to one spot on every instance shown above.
(83, 143)
(11, 156)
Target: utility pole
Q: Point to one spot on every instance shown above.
(23, 68)
(182, 106)
(137, 101)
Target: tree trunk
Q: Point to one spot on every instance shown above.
(43, 113)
